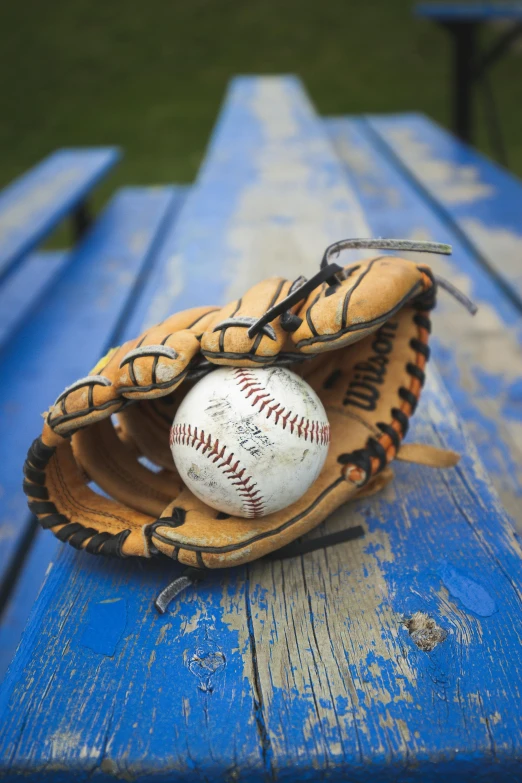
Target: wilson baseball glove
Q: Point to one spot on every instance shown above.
(358, 335)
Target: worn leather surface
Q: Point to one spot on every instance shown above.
(361, 344)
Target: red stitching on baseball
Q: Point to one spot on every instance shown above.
(185, 435)
(318, 433)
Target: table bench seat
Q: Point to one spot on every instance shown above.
(32, 207)
(66, 332)
(477, 196)
(416, 180)
(394, 656)
(21, 291)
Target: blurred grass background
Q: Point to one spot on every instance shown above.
(150, 76)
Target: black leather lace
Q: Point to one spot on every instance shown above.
(333, 274)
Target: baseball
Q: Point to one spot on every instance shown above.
(249, 442)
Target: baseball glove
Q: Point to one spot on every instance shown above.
(358, 335)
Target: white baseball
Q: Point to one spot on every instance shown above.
(249, 442)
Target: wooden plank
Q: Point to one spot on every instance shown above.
(43, 548)
(21, 291)
(347, 692)
(33, 205)
(478, 196)
(249, 212)
(300, 669)
(480, 358)
(66, 333)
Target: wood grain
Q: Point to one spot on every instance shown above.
(33, 205)
(69, 328)
(480, 358)
(302, 669)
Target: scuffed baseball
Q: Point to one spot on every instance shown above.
(249, 442)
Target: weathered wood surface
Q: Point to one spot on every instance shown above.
(477, 195)
(301, 669)
(65, 334)
(480, 358)
(21, 291)
(270, 196)
(33, 205)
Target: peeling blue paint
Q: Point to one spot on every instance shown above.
(42, 197)
(408, 213)
(400, 714)
(471, 594)
(104, 625)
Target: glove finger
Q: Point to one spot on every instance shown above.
(226, 341)
(372, 292)
(91, 398)
(100, 393)
(160, 360)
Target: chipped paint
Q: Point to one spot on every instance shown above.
(279, 222)
(451, 182)
(466, 628)
(321, 679)
(483, 367)
(359, 672)
(105, 624)
(500, 245)
(472, 595)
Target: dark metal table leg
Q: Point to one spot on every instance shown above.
(464, 54)
(81, 220)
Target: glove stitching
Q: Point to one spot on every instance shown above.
(309, 312)
(355, 327)
(410, 396)
(223, 331)
(363, 464)
(272, 302)
(357, 283)
(59, 420)
(75, 533)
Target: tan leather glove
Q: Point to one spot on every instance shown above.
(358, 335)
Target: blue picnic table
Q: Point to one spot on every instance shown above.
(316, 666)
(471, 63)
(31, 208)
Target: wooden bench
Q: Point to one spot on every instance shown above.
(471, 62)
(30, 210)
(415, 179)
(307, 668)
(74, 323)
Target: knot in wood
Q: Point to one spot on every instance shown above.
(424, 631)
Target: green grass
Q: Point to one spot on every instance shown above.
(150, 75)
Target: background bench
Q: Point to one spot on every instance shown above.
(306, 667)
(73, 325)
(416, 180)
(30, 210)
(472, 62)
